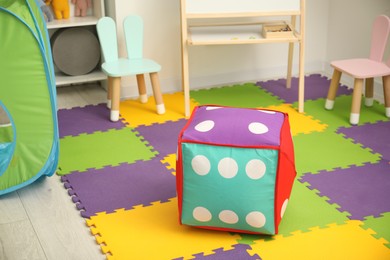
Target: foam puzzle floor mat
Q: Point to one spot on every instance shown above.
(121, 177)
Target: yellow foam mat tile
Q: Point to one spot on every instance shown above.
(135, 113)
(170, 162)
(336, 242)
(300, 123)
(153, 232)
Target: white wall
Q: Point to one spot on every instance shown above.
(350, 24)
(335, 29)
(349, 32)
(216, 65)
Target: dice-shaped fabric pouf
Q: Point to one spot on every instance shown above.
(235, 169)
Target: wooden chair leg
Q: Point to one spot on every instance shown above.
(290, 55)
(185, 72)
(115, 94)
(356, 101)
(289, 64)
(143, 97)
(301, 83)
(386, 93)
(369, 92)
(157, 93)
(109, 92)
(334, 85)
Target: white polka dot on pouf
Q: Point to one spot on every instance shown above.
(202, 214)
(235, 169)
(255, 169)
(227, 167)
(228, 216)
(256, 219)
(200, 164)
(204, 126)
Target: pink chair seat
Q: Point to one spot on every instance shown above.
(361, 68)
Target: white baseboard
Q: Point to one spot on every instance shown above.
(171, 85)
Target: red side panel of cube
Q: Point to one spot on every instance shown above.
(286, 172)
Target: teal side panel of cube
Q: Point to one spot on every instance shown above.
(229, 187)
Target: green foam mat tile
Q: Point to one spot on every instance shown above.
(335, 242)
(327, 151)
(315, 211)
(380, 225)
(339, 115)
(246, 95)
(305, 210)
(6, 134)
(101, 149)
(311, 222)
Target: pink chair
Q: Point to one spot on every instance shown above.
(365, 69)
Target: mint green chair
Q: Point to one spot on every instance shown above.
(115, 67)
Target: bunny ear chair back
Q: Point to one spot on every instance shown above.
(134, 65)
(365, 69)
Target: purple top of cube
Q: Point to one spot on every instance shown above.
(234, 126)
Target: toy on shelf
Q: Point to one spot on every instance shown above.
(60, 8)
(45, 11)
(81, 7)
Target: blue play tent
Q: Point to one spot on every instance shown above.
(29, 143)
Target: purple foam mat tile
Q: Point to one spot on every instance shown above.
(124, 186)
(374, 136)
(239, 252)
(163, 137)
(88, 119)
(362, 191)
(316, 86)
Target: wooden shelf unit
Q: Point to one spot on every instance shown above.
(243, 33)
(201, 25)
(94, 14)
